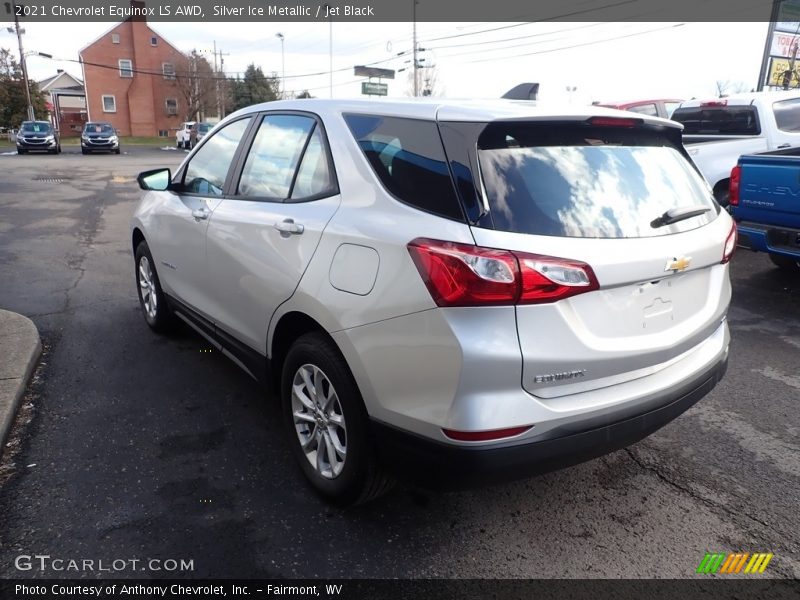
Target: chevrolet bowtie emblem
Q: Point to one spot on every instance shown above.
(678, 264)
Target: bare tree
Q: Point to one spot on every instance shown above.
(428, 82)
(728, 87)
(197, 84)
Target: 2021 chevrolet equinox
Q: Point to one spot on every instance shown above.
(453, 291)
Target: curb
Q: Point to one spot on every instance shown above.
(20, 348)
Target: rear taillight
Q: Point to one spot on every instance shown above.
(614, 122)
(465, 275)
(733, 185)
(730, 245)
(714, 103)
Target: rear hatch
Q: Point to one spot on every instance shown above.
(620, 281)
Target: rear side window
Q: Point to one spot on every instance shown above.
(718, 120)
(274, 155)
(787, 114)
(408, 158)
(591, 182)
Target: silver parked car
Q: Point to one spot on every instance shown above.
(454, 292)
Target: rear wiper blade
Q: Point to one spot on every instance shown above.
(673, 215)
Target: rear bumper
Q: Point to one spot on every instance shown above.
(446, 466)
(782, 241)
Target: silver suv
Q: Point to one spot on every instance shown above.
(453, 292)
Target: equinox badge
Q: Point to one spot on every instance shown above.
(678, 264)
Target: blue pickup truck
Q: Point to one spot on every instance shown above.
(765, 203)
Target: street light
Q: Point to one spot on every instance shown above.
(279, 35)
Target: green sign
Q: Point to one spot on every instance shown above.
(370, 88)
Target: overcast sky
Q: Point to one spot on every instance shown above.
(604, 61)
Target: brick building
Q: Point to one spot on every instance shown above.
(129, 74)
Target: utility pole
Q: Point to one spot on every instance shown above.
(279, 35)
(222, 70)
(414, 58)
(31, 115)
(216, 80)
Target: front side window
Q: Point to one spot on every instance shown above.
(209, 167)
(273, 158)
(125, 68)
(109, 104)
(589, 182)
(787, 114)
(408, 158)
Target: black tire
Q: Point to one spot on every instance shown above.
(117, 151)
(21, 151)
(361, 479)
(160, 319)
(790, 265)
(84, 151)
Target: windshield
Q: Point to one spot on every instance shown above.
(37, 127)
(588, 183)
(204, 128)
(98, 128)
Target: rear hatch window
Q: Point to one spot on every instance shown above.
(718, 120)
(587, 182)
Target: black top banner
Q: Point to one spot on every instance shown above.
(214, 11)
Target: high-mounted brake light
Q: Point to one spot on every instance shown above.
(485, 436)
(466, 275)
(714, 103)
(614, 122)
(730, 245)
(733, 185)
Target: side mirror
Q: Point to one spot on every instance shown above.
(157, 180)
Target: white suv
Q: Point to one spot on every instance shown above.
(453, 292)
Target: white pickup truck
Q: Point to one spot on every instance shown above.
(717, 132)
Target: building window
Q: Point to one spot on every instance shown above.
(115, 38)
(154, 41)
(125, 68)
(163, 133)
(109, 104)
(169, 70)
(172, 106)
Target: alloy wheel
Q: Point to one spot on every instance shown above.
(319, 421)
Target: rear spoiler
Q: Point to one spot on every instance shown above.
(523, 91)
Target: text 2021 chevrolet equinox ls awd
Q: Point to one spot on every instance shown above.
(455, 291)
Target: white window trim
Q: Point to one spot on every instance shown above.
(121, 69)
(154, 38)
(166, 104)
(115, 38)
(103, 101)
(168, 76)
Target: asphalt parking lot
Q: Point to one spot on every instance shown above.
(130, 445)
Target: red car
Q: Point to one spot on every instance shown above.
(653, 108)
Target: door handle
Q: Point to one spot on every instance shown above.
(201, 213)
(784, 146)
(288, 227)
